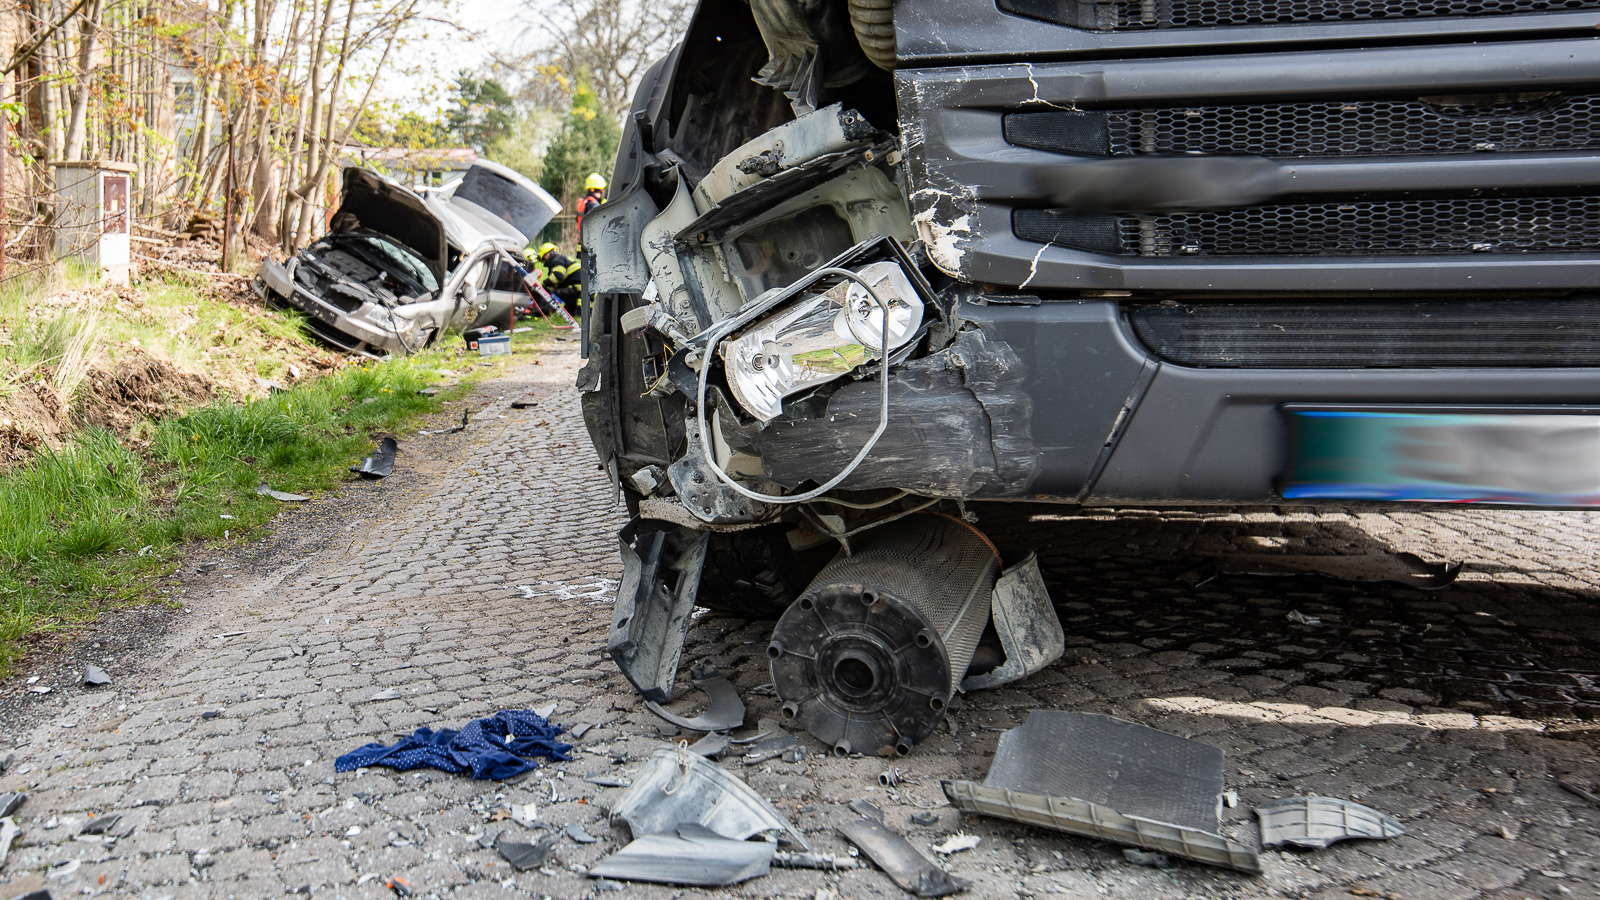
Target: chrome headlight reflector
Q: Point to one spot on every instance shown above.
(816, 338)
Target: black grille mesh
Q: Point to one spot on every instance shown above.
(1376, 227)
(1134, 15)
(1350, 334)
(1361, 127)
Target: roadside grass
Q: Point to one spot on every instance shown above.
(96, 523)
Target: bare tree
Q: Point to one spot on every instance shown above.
(606, 44)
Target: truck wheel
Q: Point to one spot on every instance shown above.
(752, 573)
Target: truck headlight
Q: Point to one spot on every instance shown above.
(816, 338)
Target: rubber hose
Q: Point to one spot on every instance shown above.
(873, 21)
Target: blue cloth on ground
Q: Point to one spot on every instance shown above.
(490, 748)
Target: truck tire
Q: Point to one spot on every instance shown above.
(753, 573)
(873, 21)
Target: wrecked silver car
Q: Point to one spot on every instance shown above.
(397, 269)
(865, 262)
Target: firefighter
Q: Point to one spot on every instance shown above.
(595, 194)
(563, 276)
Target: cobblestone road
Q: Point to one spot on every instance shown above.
(478, 577)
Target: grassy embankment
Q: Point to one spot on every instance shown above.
(94, 522)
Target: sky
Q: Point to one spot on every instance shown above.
(428, 65)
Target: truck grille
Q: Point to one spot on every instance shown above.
(1466, 124)
(1368, 334)
(1355, 228)
(1146, 15)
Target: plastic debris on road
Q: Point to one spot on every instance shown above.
(1316, 822)
(676, 787)
(95, 676)
(1106, 778)
(899, 860)
(266, 490)
(381, 463)
(691, 855)
(726, 711)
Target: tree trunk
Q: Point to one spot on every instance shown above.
(76, 125)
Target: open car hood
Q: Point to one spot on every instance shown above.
(493, 202)
(370, 204)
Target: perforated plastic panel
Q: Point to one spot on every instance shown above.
(1382, 227)
(1361, 127)
(1144, 15)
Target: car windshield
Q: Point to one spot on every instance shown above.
(383, 251)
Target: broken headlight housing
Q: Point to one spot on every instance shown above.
(819, 337)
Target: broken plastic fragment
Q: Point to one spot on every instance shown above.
(381, 463)
(578, 731)
(957, 843)
(96, 676)
(770, 747)
(901, 861)
(1316, 822)
(101, 825)
(524, 856)
(925, 819)
(523, 404)
(579, 835)
(389, 694)
(603, 781)
(266, 491)
(866, 808)
(10, 801)
(677, 787)
(1027, 623)
(525, 814)
(824, 861)
(691, 855)
(400, 886)
(726, 711)
(8, 833)
(211, 714)
(1300, 618)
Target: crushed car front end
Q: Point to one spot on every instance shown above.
(864, 264)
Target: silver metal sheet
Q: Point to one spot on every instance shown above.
(691, 856)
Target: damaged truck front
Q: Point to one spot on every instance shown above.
(865, 262)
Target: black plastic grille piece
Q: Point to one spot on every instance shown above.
(1332, 334)
(1146, 15)
(1372, 228)
(1453, 124)
(1363, 127)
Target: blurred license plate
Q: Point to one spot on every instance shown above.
(1524, 456)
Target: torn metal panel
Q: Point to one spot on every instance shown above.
(703, 494)
(791, 144)
(959, 426)
(1030, 631)
(690, 855)
(1316, 822)
(726, 711)
(658, 243)
(660, 574)
(1093, 820)
(613, 240)
(900, 861)
(10, 801)
(677, 787)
